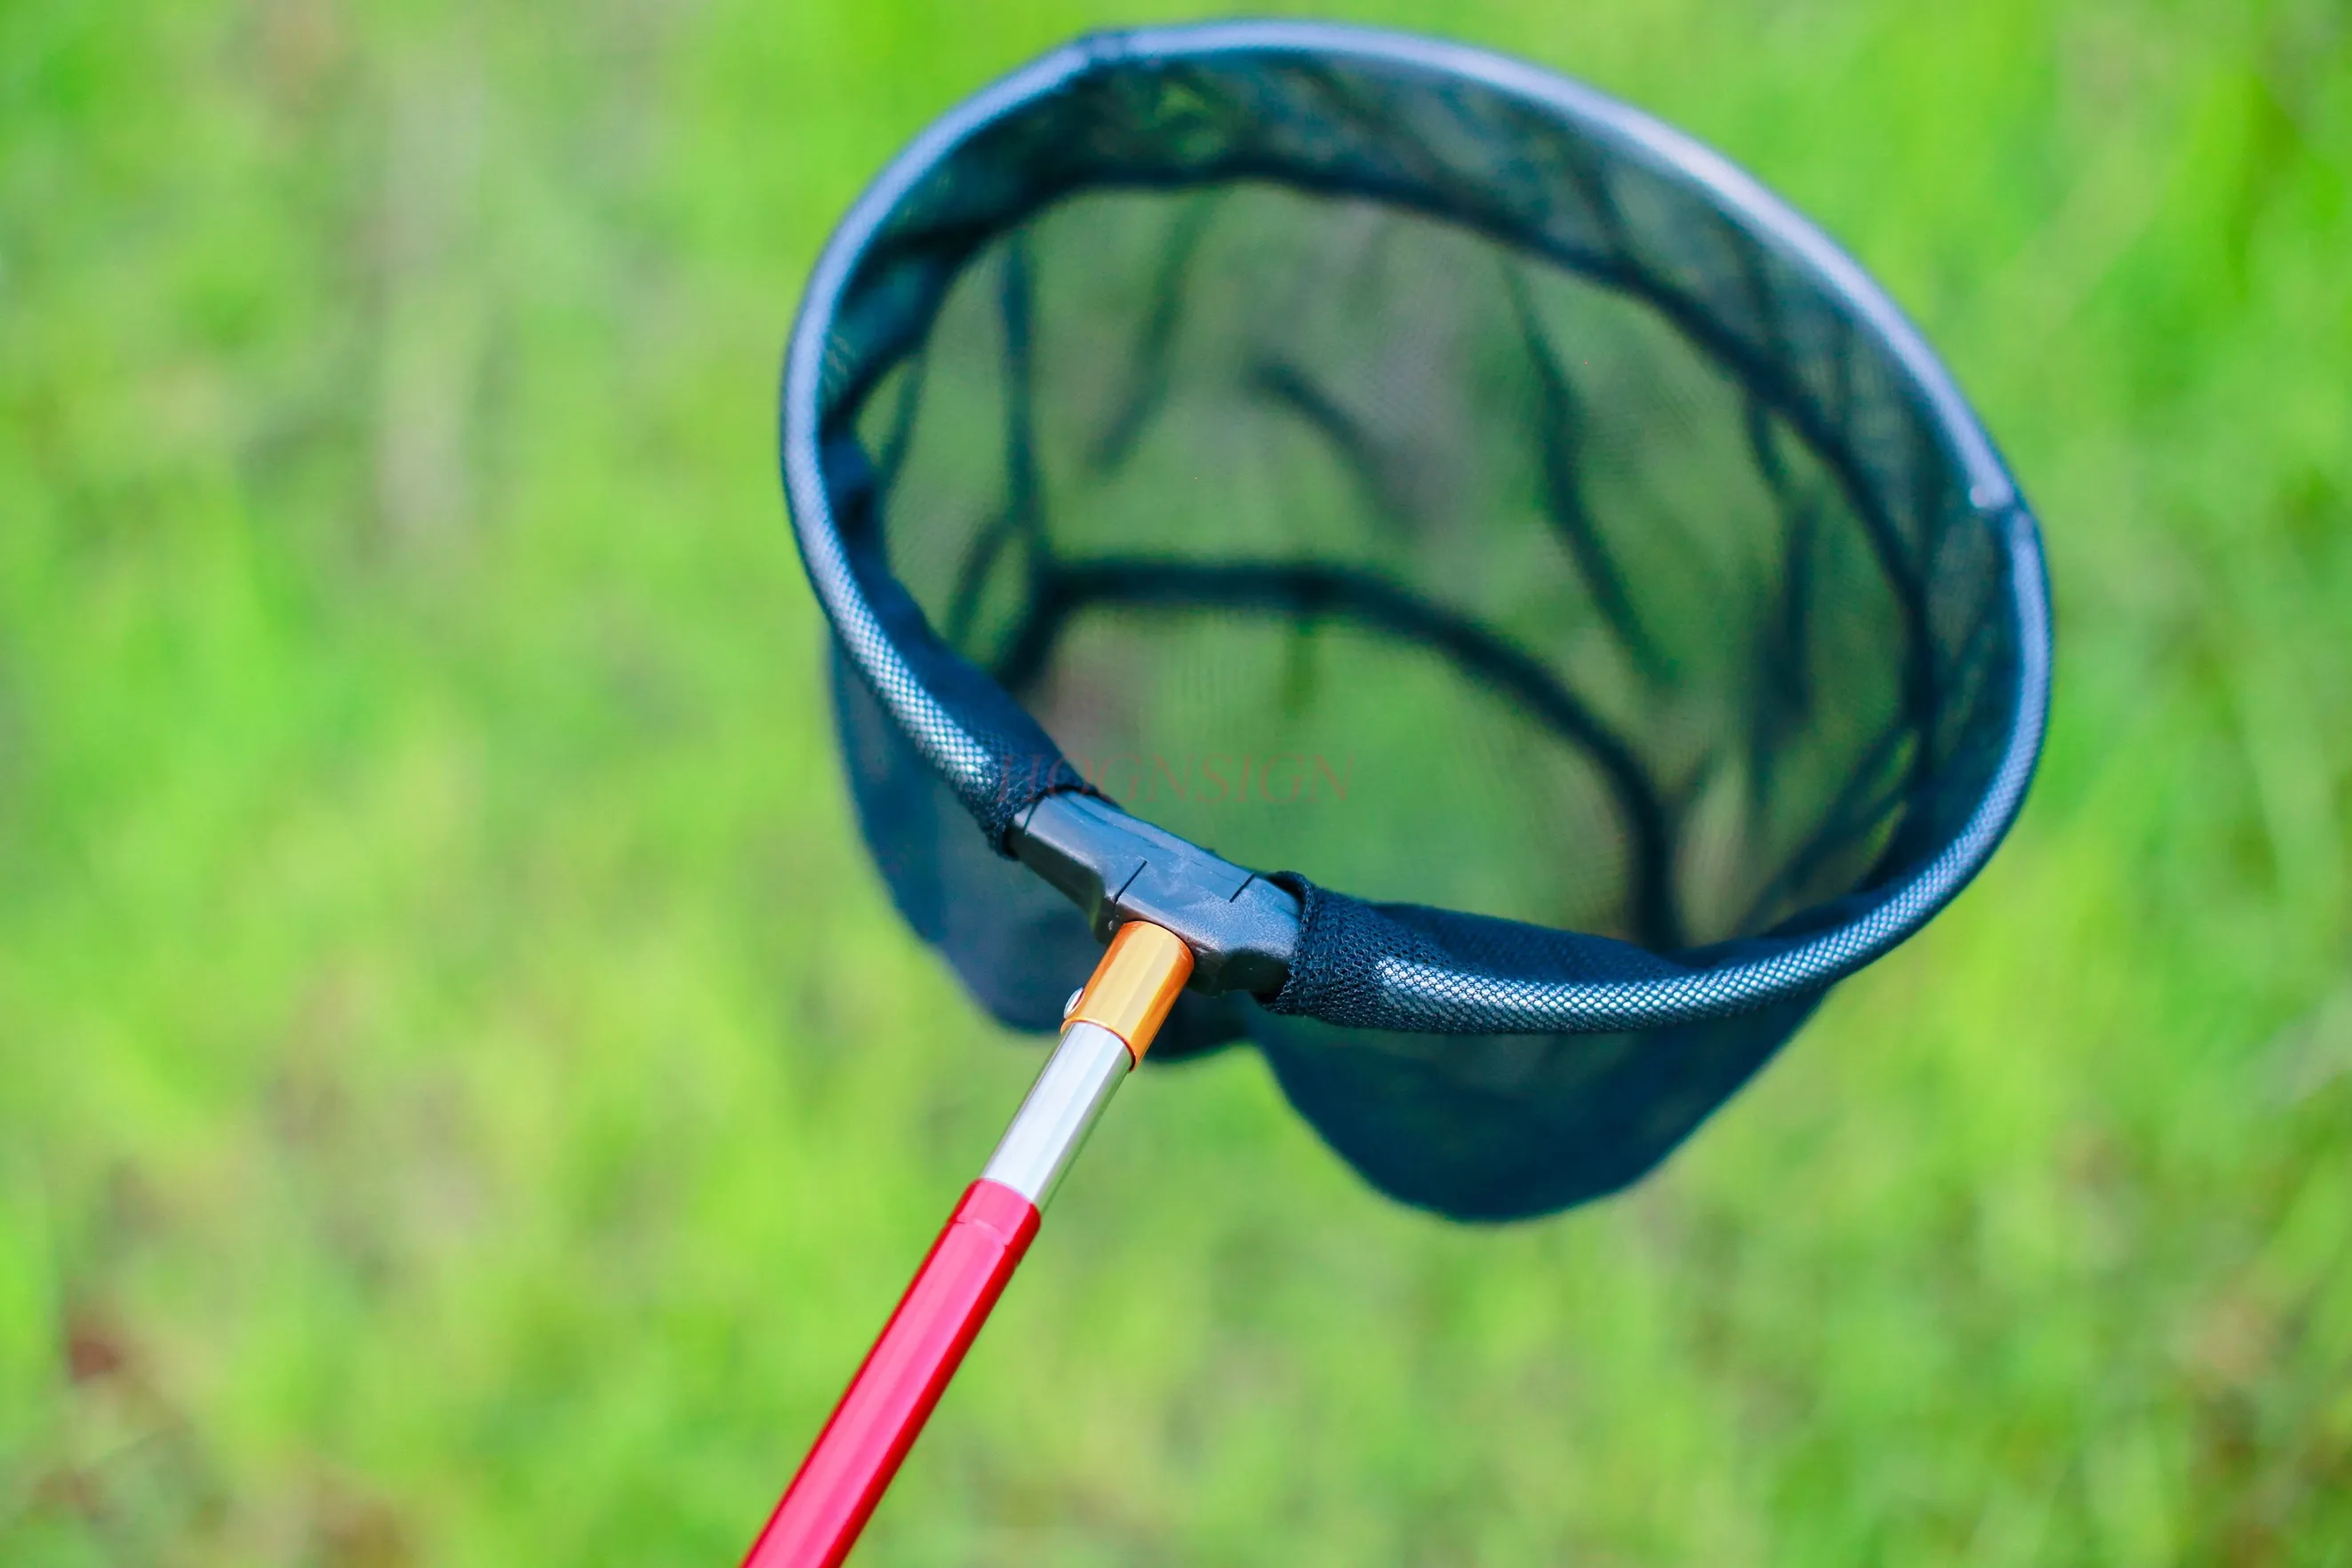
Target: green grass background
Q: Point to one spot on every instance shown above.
(465, 1100)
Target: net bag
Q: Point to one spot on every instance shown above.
(1516, 600)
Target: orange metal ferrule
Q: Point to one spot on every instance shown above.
(1135, 984)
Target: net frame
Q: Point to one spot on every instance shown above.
(1343, 963)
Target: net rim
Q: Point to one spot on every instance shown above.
(971, 768)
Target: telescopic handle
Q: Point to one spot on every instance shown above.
(903, 1377)
(1110, 1026)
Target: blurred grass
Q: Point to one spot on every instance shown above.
(465, 1100)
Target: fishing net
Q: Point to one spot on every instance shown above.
(1574, 606)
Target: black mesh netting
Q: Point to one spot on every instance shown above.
(1360, 461)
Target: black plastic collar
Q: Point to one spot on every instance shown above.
(1243, 930)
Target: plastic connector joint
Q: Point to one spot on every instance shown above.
(1243, 930)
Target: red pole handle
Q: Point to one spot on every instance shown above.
(904, 1375)
(1108, 1026)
